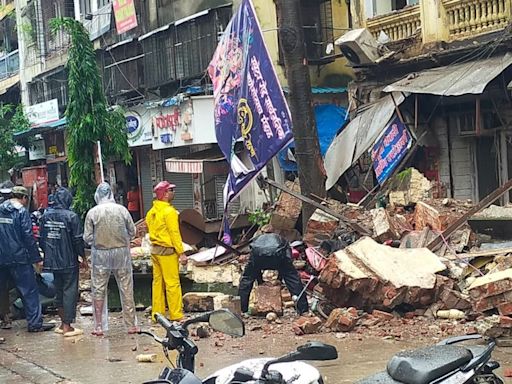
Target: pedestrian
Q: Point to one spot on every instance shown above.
(61, 239)
(18, 251)
(166, 252)
(5, 284)
(271, 251)
(108, 229)
(133, 199)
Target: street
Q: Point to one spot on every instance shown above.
(48, 358)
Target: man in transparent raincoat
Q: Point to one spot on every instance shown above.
(108, 229)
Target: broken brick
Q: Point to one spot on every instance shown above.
(505, 309)
(428, 216)
(199, 301)
(306, 325)
(382, 315)
(342, 320)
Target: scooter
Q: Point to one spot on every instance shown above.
(447, 362)
(286, 369)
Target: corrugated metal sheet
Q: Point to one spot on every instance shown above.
(357, 137)
(454, 80)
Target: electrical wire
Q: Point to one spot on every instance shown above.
(120, 70)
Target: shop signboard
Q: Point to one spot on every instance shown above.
(138, 128)
(43, 113)
(390, 149)
(37, 150)
(125, 15)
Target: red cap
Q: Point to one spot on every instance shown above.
(161, 188)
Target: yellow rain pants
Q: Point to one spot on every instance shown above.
(166, 283)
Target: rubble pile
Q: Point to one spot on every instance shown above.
(391, 277)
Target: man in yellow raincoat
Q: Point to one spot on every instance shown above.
(166, 252)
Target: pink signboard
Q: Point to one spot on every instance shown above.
(126, 18)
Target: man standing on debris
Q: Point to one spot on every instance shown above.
(62, 244)
(271, 251)
(166, 252)
(18, 251)
(108, 229)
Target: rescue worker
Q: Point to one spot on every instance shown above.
(108, 229)
(271, 251)
(166, 252)
(18, 251)
(61, 241)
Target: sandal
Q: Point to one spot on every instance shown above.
(97, 332)
(74, 332)
(133, 330)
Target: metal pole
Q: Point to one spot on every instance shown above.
(100, 160)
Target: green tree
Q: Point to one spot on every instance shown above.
(12, 120)
(88, 117)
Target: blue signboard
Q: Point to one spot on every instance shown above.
(390, 149)
(249, 103)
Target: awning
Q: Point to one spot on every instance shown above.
(54, 125)
(359, 135)
(322, 90)
(193, 162)
(454, 80)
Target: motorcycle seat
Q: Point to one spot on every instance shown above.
(425, 365)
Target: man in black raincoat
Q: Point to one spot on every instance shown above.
(61, 241)
(271, 251)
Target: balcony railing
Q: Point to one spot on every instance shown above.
(9, 65)
(476, 16)
(397, 25)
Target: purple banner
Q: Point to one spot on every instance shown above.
(250, 107)
(390, 149)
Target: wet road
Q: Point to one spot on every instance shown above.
(48, 358)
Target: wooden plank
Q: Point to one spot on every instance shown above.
(356, 226)
(486, 201)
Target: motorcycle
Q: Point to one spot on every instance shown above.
(447, 362)
(285, 369)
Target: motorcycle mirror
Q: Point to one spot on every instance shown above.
(316, 350)
(227, 322)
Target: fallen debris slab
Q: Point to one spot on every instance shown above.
(367, 274)
(288, 208)
(491, 291)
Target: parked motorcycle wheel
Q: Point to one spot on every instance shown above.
(324, 308)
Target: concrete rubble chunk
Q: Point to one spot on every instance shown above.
(266, 299)
(306, 325)
(383, 225)
(288, 208)
(199, 301)
(414, 188)
(367, 274)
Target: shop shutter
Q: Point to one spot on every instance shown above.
(234, 206)
(145, 178)
(184, 196)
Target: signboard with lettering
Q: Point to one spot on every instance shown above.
(43, 113)
(172, 126)
(390, 149)
(138, 128)
(125, 15)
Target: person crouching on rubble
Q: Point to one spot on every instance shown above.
(62, 244)
(108, 229)
(271, 251)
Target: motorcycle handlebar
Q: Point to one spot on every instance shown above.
(162, 320)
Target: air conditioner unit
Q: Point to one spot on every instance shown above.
(359, 47)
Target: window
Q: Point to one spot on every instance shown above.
(183, 51)
(382, 7)
(318, 30)
(85, 7)
(53, 86)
